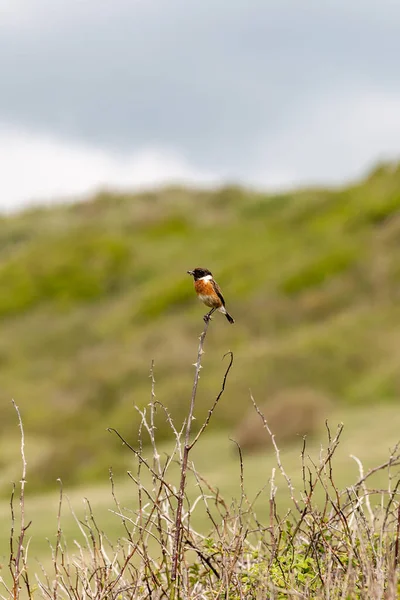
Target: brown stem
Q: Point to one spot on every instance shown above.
(396, 546)
(19, 558)
(186, 450)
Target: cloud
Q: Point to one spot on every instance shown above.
(129, 93)
(37, 167)
(338, 136)
(205, 76)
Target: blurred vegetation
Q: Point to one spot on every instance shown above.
(91, 292)
(291, 415)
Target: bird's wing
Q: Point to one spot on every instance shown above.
(217, 290)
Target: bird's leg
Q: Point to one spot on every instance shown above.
(207, 317)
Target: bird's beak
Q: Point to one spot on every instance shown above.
(189, 272)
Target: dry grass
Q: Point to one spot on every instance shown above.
(346, 545)
(324, 541)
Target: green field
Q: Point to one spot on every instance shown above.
(91, 293)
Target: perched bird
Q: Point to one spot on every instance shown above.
(209, 292)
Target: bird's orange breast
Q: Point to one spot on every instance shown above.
(204, 287)
(206, 293)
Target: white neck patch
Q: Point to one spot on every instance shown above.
(206, 278)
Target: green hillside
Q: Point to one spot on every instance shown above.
(90, 293)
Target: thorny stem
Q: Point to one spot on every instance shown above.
(186, 450)
(19, 557)
(396, 546)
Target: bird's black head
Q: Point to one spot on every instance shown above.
(199, 272)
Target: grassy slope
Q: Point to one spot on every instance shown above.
(90, 293)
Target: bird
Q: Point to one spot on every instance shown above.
(209, 292)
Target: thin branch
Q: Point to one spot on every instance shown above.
(19, 559)
(210, 412)
(396, 545)
(142, 460)
(181, 494)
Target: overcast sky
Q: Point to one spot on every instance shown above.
(273, 93)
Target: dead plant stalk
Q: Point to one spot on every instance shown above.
(176, 552)
(186, 451)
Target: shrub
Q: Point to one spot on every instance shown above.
(291, 413)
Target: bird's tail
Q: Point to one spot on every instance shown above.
(230, 319)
